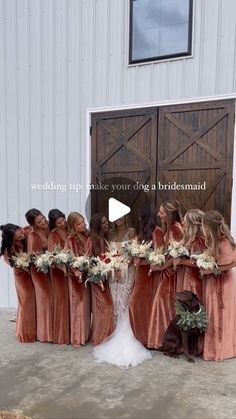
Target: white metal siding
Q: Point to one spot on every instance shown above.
(60, 57)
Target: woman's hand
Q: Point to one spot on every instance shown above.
(101, 285)
(177, 261)
(78, 274)
(62, 268)
(215, 271)
(154, 268)
(136, 261)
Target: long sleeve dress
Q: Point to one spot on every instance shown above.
(60, 289)
(102, 305)
(26, 305)
(190, 274)
(79, 296)
(141, 300)
(43, 291)
(163, 307)
(220, 304)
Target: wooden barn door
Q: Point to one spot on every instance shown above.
(186, 144)
(195, 145)
(124, 145)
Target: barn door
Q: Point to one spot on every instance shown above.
(124, 147)
(195, 145)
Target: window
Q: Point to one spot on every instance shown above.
(160, 29)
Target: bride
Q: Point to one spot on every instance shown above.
(121, 348)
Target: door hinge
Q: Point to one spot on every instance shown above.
(91, 130)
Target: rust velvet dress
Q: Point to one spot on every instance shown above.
(191, 277)
(163, 308)
(141, 299)
(26, 306)
(79, 295)
(220, 335)
(102, 305)
(43, 292)
(60, 289)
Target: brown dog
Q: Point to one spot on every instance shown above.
(176, 338)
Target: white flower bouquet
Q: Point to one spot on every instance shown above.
(204, 261)
(113, 262)
(43, 261)
(81, 263)
(136, 250)
(177, 250)
(62, 257)
(22, 261)
(156, 257)
(96, 272)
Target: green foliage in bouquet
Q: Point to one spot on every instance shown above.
(193, 320)
(62, 257)
(95, 271)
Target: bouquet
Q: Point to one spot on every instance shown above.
(177, 250)
(155, 257)
(96, 271)
(113, 262)
(204, 261)
(188, 321)
(81, 263)
(136, 250)
(22, 261)
(43, 261)
(62, 257)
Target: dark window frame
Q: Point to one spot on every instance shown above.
(160, 57)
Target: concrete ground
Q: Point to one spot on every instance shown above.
(53, 381)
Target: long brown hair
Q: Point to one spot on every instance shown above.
(173, 211)
(193, 226)
(98, 238)
(215, 230)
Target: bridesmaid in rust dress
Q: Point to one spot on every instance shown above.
(80, 313)
(220, 297)
(38, 242)
(163, 308)
(144, 286)
(102, 305)
(13, 243)
(188, 277)
(61, 319)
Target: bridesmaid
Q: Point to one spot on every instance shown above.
(220, 335)
(80, 314)
(14, 242)
(144, 286)
(102, 305)
(163, 309)
(61, 320)
(188, 277)
(38, 242)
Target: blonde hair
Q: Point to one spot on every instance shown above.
(113, 230)
(173, 211)
(215, 230)
(71, 220)
(193, 226)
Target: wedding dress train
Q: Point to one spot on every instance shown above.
(122, 348)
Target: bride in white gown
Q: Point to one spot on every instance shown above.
(121, 348)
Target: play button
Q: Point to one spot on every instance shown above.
(116, 209)
(115, 197)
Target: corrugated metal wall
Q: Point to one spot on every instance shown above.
(60, 57)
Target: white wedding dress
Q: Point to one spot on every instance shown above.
(121, 348)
